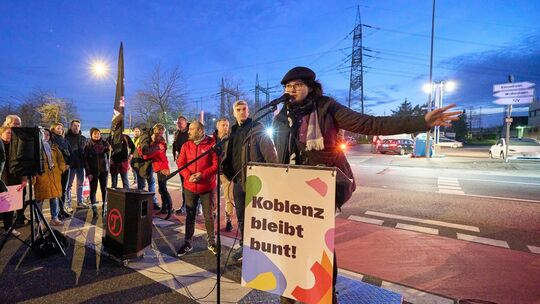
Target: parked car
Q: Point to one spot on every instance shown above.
(378, 139)
(523, 147)
(398, 146)
(448, 142)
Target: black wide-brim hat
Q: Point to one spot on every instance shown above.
(299, 72)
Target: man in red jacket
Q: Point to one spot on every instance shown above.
(199, 183)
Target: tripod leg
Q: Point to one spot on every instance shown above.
(39, 214)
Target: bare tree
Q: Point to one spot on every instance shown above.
(162, 95)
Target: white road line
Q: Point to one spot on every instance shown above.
(366, 220)
(451, 191)
(417, 228)
(482, 240)
(450, 187)
(424, 221)
(534, 249)
(350, 274)
(415, 296)
(499, 181)
(504, 198)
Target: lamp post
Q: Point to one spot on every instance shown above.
(437, 89)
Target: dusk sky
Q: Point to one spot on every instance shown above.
(50, 44)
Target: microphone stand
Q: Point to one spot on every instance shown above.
(218, 149)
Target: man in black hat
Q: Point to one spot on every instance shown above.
(306, 128)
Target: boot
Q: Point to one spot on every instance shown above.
(94, 211)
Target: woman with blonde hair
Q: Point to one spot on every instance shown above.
(49, 183)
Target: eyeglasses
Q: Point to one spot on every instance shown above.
(295, 86)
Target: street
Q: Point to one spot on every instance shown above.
(423, 230)
(447, 203)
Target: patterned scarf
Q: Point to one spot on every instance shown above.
(304, 123)
(48, 153)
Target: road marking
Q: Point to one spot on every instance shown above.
(499, 181)
(534, 249)
(412, 295)
(417, 228)
(366, 220)
(424, 221)
(504, 198)
(350, 274)
(482, 240)
(449, 185)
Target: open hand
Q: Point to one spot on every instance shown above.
(439, 117)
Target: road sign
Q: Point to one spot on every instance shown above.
(508, 119)
(515, 93)
(512, 86)
(514, 100)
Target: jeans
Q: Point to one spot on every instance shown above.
(63, 199)
(102, 178)
(79, 173)
(207, 200)
(141, 183)
(114, 180)
(240, 206)
(166, 200)
(54, 207)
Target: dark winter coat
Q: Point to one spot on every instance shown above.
(256, 147)
(96, 158)
(207, 165)
(180, 138)
(332, 117)
(77, 143)
(64, 147)
(9, 178)
(128, 147)
(2, 164)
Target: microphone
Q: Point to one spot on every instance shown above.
(284, 98)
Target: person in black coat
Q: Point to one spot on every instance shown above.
(6, 177)
(96, 163)
(180, 138)
(306, 129)
(63, 144)
(76, 141)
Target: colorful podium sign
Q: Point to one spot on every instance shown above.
(289, 231)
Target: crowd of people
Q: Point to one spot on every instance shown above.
(306, 132)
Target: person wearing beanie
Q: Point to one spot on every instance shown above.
(96, 164)
(306, 130)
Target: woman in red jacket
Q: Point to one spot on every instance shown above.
(160, 163)
(199, 182)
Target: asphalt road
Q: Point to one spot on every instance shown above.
(501, 200)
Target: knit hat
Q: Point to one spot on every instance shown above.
(299, 72)
(92, 130)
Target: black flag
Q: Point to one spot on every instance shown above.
(117, 125)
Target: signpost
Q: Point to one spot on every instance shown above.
(512, 93)
(514, 100)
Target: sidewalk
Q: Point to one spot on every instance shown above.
(88, 275)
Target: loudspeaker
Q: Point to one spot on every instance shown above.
(25, 152)
(129, 222)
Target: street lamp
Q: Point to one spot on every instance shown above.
(99, 68)
(436, 89)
